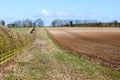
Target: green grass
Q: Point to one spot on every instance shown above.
(50, 62)
(22, 30)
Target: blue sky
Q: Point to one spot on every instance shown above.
(48, 10)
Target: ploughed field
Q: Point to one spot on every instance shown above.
(95, 44)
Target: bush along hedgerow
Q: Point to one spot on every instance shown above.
(12, 42)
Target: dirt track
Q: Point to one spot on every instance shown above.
(96, 44)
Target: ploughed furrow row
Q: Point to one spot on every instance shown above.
(100, 51)
(102, 41)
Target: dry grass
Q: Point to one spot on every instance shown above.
(46, 61)
(12, 42)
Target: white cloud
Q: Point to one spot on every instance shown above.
(61, 13)
(78, 14)
(45, 12)
(111, 17)
(87, 15)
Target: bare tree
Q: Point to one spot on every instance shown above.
(38, 23)
(18, 23)
(57, 22)
(27, 23)
(2, 23)
(115, 23)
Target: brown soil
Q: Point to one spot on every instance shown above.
(96, 44)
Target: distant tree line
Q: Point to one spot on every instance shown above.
(61, 23)
(27, 23)
(84, 23)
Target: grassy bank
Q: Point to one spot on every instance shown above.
(47, 61)
(22, 30)
(12, 42)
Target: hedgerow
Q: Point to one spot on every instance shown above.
(12, 42)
